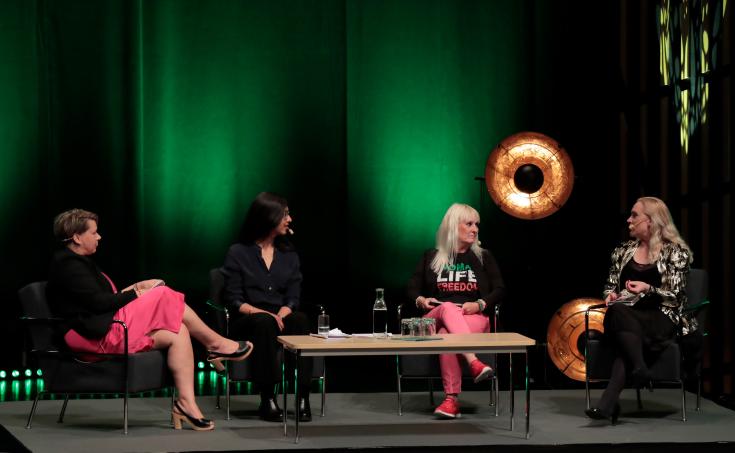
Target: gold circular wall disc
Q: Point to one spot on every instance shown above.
(563, 340)
(506, 166)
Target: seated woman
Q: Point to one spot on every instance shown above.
(458, 284)
(263, 289)
(651, 269)
(157, 316)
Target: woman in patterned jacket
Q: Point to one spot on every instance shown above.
(645, 293)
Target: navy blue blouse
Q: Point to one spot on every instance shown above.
(248, 280)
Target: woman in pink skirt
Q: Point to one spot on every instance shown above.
(156, 316)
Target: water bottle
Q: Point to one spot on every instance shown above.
(323, 322)
(380, 315)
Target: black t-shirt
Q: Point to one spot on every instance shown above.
(465, 280)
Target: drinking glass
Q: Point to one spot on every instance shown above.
(323, 324)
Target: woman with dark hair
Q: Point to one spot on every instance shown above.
(645, 293)
(157, 316)
(263, 289)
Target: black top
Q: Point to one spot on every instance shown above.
(648, 273)
(248, 280)
(466, 280)
(78, 292)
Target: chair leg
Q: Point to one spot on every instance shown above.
(699, 391)
(587, 391)
(398, 383)
(683, 403)
(63, 409)
(217, 404)
(324, 387)
(496, 385)
(431, 393)
(638, 398)
(125, 413)
(173, 400)
(227, 393)
(33, 410)
(494, 393)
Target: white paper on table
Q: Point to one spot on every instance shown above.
(367, 335)
(336, 333)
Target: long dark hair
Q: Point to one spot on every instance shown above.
(264, 214)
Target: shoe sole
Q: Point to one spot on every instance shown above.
(485, 374)
(447, 415)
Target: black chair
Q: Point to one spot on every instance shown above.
(219, 319)
(426, 367)
(676, 364)
(65, 372)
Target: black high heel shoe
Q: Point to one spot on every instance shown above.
(642, 377)
(198, 424)
(304, 410)
(269, 410)
(596, 413)
(243, 351)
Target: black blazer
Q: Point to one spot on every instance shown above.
(78, 292)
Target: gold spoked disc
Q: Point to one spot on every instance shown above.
(565, 335)
(529, 176)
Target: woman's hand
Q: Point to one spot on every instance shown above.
(637, 287)
(470, 308)
(279, 320)
(425, 303)
(611, 298)
(147, 285)
(284, 311)
(141, 288)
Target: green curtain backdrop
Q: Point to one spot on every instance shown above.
(167, 117)
(432, 86)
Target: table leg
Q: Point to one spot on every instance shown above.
(528, 400)
(283, 389)
(296, 395)
(512, 396)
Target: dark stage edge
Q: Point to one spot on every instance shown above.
(358, 422)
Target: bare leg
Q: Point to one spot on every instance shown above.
(205, 335)
(181, 364)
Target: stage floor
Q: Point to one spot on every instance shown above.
(369, 420)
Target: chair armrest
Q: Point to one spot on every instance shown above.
(32, 320)
(216, 306)
(587, 317)
(696, 308)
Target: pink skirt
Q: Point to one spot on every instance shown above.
(161, 308)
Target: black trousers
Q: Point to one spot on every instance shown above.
(262, 330)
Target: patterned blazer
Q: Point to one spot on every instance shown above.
(673, 265)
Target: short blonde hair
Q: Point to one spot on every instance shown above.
(446, 235)
(71, 222)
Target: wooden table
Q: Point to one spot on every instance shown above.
(498, 343)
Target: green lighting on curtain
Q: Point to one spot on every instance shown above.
(3, 374)
(15, 390)
(15, 373)
(432, 86)
(200, 365)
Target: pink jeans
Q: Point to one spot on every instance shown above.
(450, 319)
